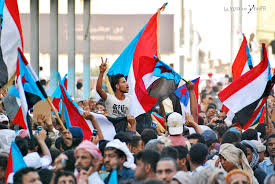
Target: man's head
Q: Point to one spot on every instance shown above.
(270, 145)
(220, 86)
(119, 83)
(79, 85)
(146, 162)
(175, 123)
(210, 112)
(169, 152)
(123, 137)
(261, 148)
(136, 144)
(238, 176)
(220, 130)
(195, 138)
(92, 104)
(22, 144)
(64, 177)
(203, 116)
(198, 154)
(182, 157)
(250, 134)
(210, 138)
(4, 119)
(221, 115)
(68, 138)
(26, 176)
(148, 134)
(155, 144)
(100, 106)
(231, 137)
(86, 155)
(251, 37)
(77, 135)
(117, 155)
(113, 158)
(166, 169)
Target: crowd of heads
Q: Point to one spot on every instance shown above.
(203, 151)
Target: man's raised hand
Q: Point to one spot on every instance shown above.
(103, 66)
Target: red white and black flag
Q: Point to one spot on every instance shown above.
(11, 39)
(244, 97)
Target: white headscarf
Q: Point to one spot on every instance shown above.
(123, 147)
(236, 156)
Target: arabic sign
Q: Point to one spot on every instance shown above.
(110, 34)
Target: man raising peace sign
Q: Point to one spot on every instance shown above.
(116, 105)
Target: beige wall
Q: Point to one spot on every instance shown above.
(265, 20)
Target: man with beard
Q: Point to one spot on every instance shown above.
(117, 104)
(268, 165)
(146, 161)
(87, 157)
(118, 156)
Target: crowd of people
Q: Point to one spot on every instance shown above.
(203, 148)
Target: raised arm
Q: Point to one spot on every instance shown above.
(90, 117)
(102, 69)
(193, 101)
(41, 137)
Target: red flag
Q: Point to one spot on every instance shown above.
(73, 116)
(242, 62)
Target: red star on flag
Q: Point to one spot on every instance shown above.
(24, 80)
(183, 91)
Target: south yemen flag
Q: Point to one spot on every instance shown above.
(15, 161)
(137, 64)
(72, 114)
(28, 90)
(183, 94)
(11, 38)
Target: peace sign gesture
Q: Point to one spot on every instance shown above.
(103, 66)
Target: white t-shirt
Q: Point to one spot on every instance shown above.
(117, 108)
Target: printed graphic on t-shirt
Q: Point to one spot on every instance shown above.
(119, 110)
(116, 108)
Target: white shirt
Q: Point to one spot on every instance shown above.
(34, 160)
(117, 108)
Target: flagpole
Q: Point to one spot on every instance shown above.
(50, 103)
(185, 80)
(56, 114)
(159, 10)
(29, 125)
(266, 112)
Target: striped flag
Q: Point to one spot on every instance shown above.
(256, 82)
(11, 39)
(28, 91)
(243, 61)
